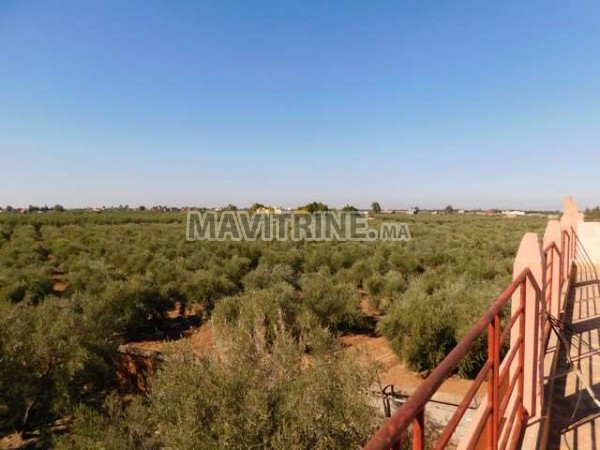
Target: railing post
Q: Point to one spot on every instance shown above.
(491, 388)
(521, 368)
(529, 256)
(563, 257)
(552, 237)
(569, 223)
(496, 386)
(419, 431)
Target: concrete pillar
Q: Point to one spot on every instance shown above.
(552, 235)
(569, 223)
(530, 257)
(571, 210)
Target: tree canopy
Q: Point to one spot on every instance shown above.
(314, 207)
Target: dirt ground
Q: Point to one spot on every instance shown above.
(376, 350)
(369, 347)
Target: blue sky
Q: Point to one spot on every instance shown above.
(469, 103)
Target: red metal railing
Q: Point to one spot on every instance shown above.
(504, 414)
(496, 371)
(550, 253)
(566, 251)
(552, 257)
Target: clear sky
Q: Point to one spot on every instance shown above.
(428, 103)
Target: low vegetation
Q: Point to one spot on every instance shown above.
(276, 307)
(262, 389)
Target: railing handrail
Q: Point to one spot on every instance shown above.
(552, 246)
(390, 434)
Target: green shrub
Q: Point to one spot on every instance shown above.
(51, 354)
(264, 276)
(420, 328)
(204, 287)
(140, 301)
(394, 284)
(287, 399)
(360, 272)
(375, 285)
(337, 306)
(277, 304)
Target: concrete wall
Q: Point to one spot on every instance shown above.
(589, 237)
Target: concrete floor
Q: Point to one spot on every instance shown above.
(575, 418)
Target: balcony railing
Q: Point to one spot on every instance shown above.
(513, 393)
